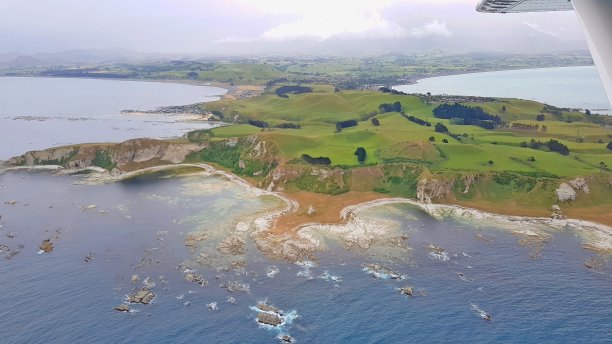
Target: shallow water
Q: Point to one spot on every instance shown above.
(572, 87)
(58, 297)
(38, 113)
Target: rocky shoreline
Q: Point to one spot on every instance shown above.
(354, 230)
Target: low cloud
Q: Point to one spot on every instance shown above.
(433, 28)
(321, 20)
(537, 28)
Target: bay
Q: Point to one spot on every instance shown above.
(571, 87)
(38, 113)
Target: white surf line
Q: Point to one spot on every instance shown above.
(603, 232)
(517, 223)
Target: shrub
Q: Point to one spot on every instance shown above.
(395, 107)
(440, 128)
(259, 124)
(322, 160)
(361, 154)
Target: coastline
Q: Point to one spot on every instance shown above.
(231, 91)
(437, 75)
(595, 236)
(224, 86)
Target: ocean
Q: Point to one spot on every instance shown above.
(571, 87)
(38, 113)
(140, 227)
(167, 231)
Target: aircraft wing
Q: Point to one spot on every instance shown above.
(515, 6)
(595, 17)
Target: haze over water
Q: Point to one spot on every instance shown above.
(38, 113)
(572, 87)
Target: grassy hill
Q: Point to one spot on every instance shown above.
(397, 139)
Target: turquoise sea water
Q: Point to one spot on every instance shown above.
(572, 87)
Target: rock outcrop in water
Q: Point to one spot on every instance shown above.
(144, 296)
(46, 246)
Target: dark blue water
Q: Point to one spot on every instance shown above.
(140, 227)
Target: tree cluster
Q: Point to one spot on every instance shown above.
(392, 91)
(523, 126)
(390, 107)
(346, 124)
(552, 145)
(259, 124)
(288, 125)
(322, 160)
(416, 120)
(469, 115)
(284, 90)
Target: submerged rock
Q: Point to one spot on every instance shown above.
(88, 258)
(286, 338)
(594, 264)
(234, 286)
(122, 308)
(437, 252)
(134, 279)
(144, 296)
(46, 246)
(379, 271)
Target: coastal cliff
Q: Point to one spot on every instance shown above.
(256, 159)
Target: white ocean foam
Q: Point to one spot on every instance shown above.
(272, 271)
(441, 256)
(484, 315)
(306, 266)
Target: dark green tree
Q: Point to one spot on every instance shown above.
(361, 154)
(440, 128)
(375, 121)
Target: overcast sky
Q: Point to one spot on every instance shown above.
(270, 26)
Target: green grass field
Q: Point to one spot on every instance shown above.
(399, 139)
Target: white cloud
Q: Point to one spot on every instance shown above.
(323, 19)
(537, 28)
(433, 28)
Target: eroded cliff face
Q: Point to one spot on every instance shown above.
(430, 189)
(125, 156)
(258, 157)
